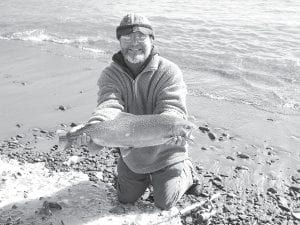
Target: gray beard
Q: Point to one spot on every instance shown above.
(136, 59)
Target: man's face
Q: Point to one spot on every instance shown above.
(136, 47)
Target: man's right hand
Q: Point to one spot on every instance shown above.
(83, 139)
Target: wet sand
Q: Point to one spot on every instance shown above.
(248, 155)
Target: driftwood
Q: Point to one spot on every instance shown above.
(185, 211)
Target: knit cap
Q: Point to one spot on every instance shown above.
(132, 23)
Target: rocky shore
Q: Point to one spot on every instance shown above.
(241, 201)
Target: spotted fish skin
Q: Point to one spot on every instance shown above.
(128, 130)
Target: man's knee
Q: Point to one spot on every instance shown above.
(165, 203)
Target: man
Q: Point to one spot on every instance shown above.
(140, 81)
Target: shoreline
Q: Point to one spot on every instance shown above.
(249, 153)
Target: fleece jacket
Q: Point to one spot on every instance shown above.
(158, 88)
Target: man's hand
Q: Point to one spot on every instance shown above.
(83, 139)
(178, 140)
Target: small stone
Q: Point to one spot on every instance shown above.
(243, 217)
(232, 218)
(189, 220)
(204, 129)
(296, 213)
(18, 125)
(241, 168)
(203, 148)
(14, 207)
(211, 136)
(230, 157)
(218, 184)
(62, 108)
(20, 136)
(73, 124)
(295, 188)
(53, 205)
(271, 190)
(283, 203)
(296, 178)
(242, 155)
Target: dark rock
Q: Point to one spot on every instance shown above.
(271, 190)
(204, 129)
(211, 136)
(203, 148)
(230, 157)
(73, 124)
(241, 168)
(14, 207)
(62, 108)
(20, 136)
(242, 155)
(52, 205)
(243, 217)
(283, 203)
(296, 178)
(295, 188)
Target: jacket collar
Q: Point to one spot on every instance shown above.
(149, 64)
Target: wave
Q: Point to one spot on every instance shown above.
(41, 35)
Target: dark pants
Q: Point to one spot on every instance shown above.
(169, 183)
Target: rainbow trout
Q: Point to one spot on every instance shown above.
(128, 130)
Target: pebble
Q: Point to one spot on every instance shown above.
(73, 124)
(20, 136)
(242, 168)
(242, 155)
(230, 157)
(272, 190)
(283, 203)
(189, 220)
(296, 213)
(295, 188)
(211, 136)
(62, 108)
(204, 129)
(52, 205)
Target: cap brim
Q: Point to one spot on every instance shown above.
(143, 30)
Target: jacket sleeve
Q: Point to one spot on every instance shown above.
(110, 102)
(171, 95)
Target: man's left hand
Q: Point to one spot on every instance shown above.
(178, 140)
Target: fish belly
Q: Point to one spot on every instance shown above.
(132, 131)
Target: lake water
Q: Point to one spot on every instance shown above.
(230, 50)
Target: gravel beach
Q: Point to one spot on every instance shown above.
(250, 156)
